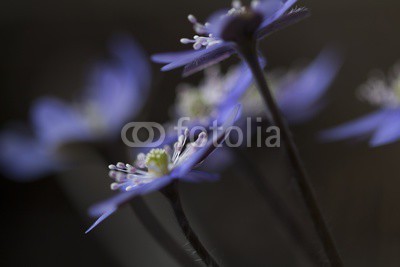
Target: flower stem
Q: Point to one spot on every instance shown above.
(171, 193)
(277, 205)
(159, 233)
(248, 52)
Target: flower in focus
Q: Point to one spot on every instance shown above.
(116, 92)
(381, 126)
(216, 40)
(159, 167)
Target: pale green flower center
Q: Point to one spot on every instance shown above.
(195, 104)
(157, 162)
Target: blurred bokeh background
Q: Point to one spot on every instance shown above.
(47, 47)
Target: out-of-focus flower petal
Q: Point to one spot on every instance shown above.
(23, 158)
(298, 98)
(125, 196)
(388, 131)
(119, 89)
(244, 79)
(133, 59)
(358, 128)
(56, 122)
(219, 160)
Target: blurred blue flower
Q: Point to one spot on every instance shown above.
(160, 167)
(210, 42)
(116, 92)
(382, 126)
(299, 91)
(299, 94)
(213, 97)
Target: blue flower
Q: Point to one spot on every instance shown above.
(214, 97)
(116, 92)
(211, 43)
(299, 92)
(160, 167)
(382, 126)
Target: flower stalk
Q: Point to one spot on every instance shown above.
(248, 52)
(159, 233)
(172, 194)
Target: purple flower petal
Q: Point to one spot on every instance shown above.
(299, 97)
(119, 89)
(56, 122)
(195, 60)
(221, 159)
(389, 131)
(186, 58)
(280, 8)
(100, 219)
(203, 56)
(244, 79)
(208, 60)
(357, 128)
(23, 158)
(212, 144)
(283, 22)
(133, 59)
(172, 56)
(200, 176)
(124, 197)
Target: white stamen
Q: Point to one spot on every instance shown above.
(112, 167)
(157, 163)
(115, 186)
(192, 19)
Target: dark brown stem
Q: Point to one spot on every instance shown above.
(247, 50)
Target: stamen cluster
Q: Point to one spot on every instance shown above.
(157, 163)
(203, 37)
(382, 91)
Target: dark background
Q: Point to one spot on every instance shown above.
(47, 47)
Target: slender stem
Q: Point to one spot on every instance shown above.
(172, 195)
(159, 233)
(248, 53)
(277, 205)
